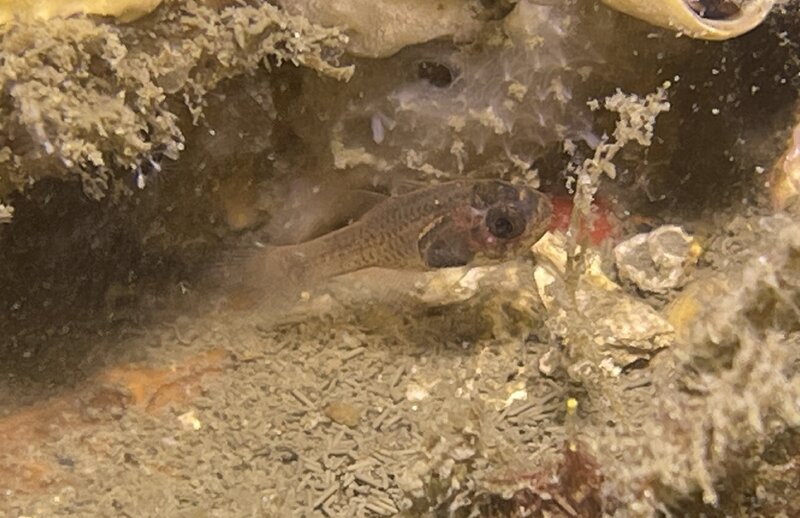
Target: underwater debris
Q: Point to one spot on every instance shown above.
(657, 261)
(599, 325)
(703, 19)
(6, 213)
(569, 486)
(734, 384)
(635, 123)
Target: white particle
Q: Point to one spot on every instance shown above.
(377, 129)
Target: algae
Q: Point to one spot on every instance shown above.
(99, 101)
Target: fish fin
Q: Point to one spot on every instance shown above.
(405, 186)
(443, 246)
(361, 201)
(302, 220)
(267, 279)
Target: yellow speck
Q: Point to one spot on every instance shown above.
(695, 250)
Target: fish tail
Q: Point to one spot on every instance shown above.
(270, 280)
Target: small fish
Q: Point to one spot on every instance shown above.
(451, 224)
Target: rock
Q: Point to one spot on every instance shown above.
(657, 261)
(546, 362)
(551, 248)
(545, 280)
(416, 392)
(597, 312)
(551, 263)
(6, 213)
(626, 329)
(687, 311)
(343, 412)
(124, 10)
(190, 421)
(383, 27)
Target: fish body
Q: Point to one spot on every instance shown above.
(450, 224)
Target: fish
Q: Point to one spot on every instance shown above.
(455, 223)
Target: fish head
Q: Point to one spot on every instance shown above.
(509, 218)
(498, 221)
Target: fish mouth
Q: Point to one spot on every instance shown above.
(540, 210)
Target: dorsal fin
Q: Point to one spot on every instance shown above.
(330, 210)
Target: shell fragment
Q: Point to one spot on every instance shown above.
(702, 19)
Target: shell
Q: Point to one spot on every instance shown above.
(123, 10)
(657, 261)
(679, 15)
(785, 174)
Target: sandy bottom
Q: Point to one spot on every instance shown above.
(415, 407)
(208, 414)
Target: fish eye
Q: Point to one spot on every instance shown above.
(505, 222)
